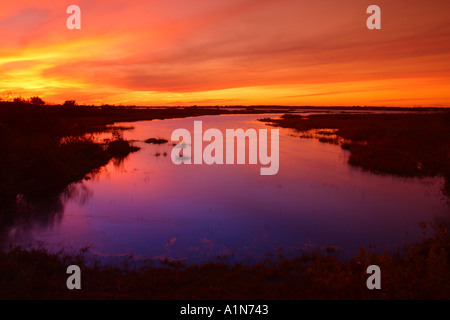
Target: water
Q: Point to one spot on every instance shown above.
(148, 207)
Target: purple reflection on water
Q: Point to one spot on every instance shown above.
(149, 207)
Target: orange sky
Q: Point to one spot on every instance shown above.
(227, 52)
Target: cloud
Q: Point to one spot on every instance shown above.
(196, 49)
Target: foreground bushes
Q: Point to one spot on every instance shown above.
(421, 273)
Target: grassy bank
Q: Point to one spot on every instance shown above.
(422, 273)
(44, 149)
(407, 144)
(41, 155)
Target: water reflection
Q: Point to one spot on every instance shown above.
(148, 207)
(19, 219)
(42, 213)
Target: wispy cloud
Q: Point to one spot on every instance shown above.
(234, 51)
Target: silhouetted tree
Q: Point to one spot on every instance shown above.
(37, 101)
(70, 103)
(20, 100)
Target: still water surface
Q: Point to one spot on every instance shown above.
(148, 207)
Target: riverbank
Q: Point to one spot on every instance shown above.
(45, 151)
(404, 144)
(420, 273)
(46, 148)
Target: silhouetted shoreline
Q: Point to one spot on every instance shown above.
(421, 273)
(404, 144)
(46, 148)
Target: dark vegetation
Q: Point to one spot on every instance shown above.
(406, 144)
(43, 151)
(421, 273)
(45, 148)
(156, 141)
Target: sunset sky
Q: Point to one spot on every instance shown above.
(227, 52)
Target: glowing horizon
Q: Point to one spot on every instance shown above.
(235, 52)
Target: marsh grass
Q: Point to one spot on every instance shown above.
(408, 144)
(44, 149)
(42, 154)
(421, 272)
